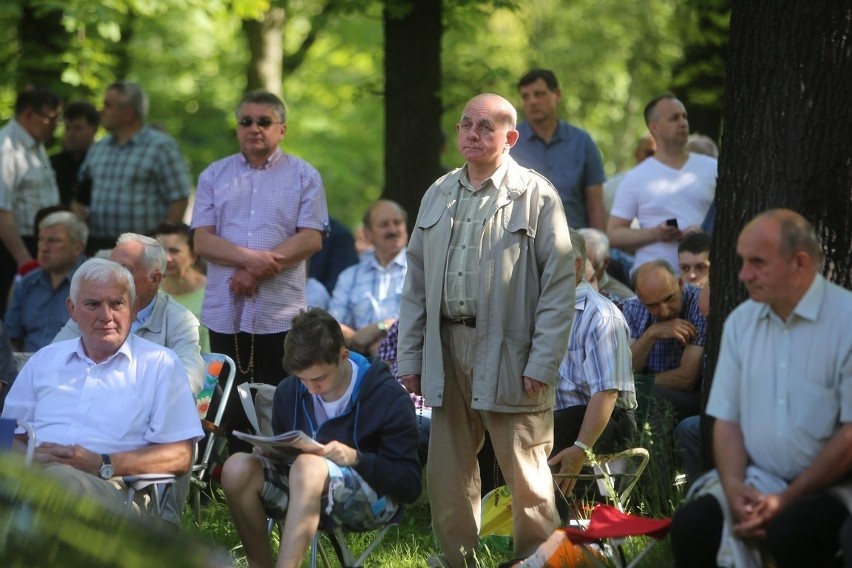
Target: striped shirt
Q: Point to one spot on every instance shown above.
(134, 183)
(598, 355)
(368, 292)
(666, 353)
(257, 208)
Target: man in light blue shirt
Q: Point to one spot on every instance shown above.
(595, 397)
(782, 399)
(564, 154)
(37, 311)
(366, 297)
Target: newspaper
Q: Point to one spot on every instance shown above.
(283, 446)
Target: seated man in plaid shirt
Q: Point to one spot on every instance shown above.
(595, 397)
(667, 334)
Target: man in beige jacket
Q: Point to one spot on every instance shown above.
(484, 321)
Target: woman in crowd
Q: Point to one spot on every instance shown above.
(183, 280)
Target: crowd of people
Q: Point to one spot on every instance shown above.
(447, 344)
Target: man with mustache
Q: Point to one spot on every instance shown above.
(366, 297)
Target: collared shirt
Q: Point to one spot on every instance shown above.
(137, 397)
(257, 208)
(666, 353)
(142, 316)
(368, 292)
(787, 383)
(570, 160)
(38, 310)
(473, 208)
(27, 181)
(598, 355)
(134, 183)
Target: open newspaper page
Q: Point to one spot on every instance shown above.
(283, 446)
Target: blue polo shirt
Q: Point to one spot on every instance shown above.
(38, 311)
(571, 161)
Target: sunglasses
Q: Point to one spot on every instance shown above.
(263, 122)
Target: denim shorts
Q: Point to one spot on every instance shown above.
(350, 501)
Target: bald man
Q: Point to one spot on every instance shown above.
(667, 335)
(483, 328)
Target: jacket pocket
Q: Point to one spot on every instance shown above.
(514, 354)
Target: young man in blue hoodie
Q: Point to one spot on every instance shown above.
(367, 468)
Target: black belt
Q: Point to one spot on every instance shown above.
(467, 322)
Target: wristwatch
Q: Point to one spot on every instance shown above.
(106, 468)
(383, 328)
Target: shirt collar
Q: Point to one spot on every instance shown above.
(143, 314)
(276, 155)
(496, 178)
(400, 259)
(583, 290)
(20, 133)
(809, 305)
(80, 353)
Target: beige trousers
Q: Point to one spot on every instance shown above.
(522, 442)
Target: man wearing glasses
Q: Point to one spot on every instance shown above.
(27, 181)
(258, 215)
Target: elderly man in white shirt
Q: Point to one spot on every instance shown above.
(782, 399)
(109, 403)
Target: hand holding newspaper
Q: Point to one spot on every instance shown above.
(283, 446)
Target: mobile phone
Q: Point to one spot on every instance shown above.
(672, 222)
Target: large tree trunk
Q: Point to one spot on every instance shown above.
(412, 100)
(43, 43)
(265, 37)
(788, 135)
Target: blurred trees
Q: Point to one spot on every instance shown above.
(196, 57)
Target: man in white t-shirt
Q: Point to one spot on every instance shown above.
(669, 193)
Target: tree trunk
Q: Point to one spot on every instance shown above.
(787, 139)
(412, 100)
(43, 43)
(265, 37)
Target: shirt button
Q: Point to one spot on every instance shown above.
(461, 274)
(468, 219)
(464, 247)
(461, 303)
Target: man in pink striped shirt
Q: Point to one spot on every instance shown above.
(258, 215)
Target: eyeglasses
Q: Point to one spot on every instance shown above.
(263, 122)
(52, 118)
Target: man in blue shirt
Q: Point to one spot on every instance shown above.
(564, 154)
(367, 295)
(38, 311)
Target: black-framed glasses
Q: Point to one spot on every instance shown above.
(263, 121)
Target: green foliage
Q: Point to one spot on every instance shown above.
(610, 57)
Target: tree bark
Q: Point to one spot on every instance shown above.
(43, 43)
(787, 139)
(265, 42)
(412, 100)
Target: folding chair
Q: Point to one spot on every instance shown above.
(609, 523)
(616, 475)
(336, 536)
(214, 365)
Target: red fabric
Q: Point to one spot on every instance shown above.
(608, 522)
(28, 267)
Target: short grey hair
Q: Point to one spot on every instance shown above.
(135, 97)
(579, 245)
(264, 98)
(102, 271)
(598, 243)
(78, 231)
(153, 253)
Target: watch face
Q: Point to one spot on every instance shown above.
(106, 471)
